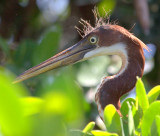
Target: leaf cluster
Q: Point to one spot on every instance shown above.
(140, 116)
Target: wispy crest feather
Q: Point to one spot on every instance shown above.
(87, 27)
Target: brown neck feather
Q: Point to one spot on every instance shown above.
(112, 89)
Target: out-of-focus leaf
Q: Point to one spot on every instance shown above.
(48, 46)
(89, 127)
(50, 121)
(153, 129)
(48, 125)
(23, 55)
(64, 84)
(4, 46)
(112, 119)
(141, 95)
(78, 133)
(153, 94)
(158, 124)
(106, 6)
(18, 88)
(31, 105)
(57, 103)
(12, 121)
(149, 116)
(131, 128)
(102, 133)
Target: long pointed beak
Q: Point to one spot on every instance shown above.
(66, 57)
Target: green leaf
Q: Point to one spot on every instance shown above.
(63, 83)
(89, 127)
(153, 129)
(57, 103)
(48, 46)
(31, 105)
(122, 128)
(141, 95)
(112, 119)
(78, 133)
(137, 118)
(131, 128)
(124, 108)
(124, 111)
(102, 133)
(106, 6)
(149, 116)
(48, 125)
(12, 121)
(158, 123)
(153, 94)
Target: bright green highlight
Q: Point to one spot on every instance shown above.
(141, 95)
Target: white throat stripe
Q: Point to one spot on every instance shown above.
(115, 49)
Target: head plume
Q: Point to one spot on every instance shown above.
(99, 21)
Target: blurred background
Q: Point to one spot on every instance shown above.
(31, 31)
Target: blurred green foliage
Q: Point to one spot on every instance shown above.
(106, 6)
(21, 114)
(112, 120)
(61, 110)
(49, 44)
(61, 105)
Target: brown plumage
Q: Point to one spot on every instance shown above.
(113, 87)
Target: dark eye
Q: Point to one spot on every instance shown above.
(93, 39)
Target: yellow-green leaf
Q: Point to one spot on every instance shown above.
(106, 6)
(89, 127)
(31, 105)
(12, 121)
(149, 116)
(141, 95)
(112, 119)
(158, 123)
(102, 133)
(153, 93)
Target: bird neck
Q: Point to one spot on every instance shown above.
(113, 87)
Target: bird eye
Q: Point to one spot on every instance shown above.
(93, 40)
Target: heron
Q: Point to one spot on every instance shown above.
(102, 39)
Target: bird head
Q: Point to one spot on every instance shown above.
(101, 40)
(75, 53)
